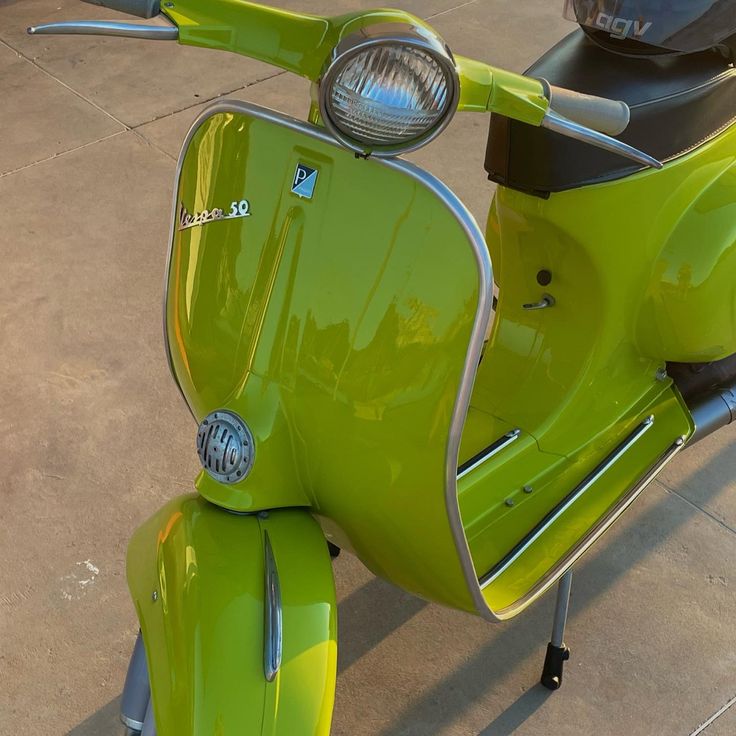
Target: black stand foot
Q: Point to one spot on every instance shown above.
(557, 652)
(554, 664)
(334, 550)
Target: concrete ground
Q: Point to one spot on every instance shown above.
(95, 437)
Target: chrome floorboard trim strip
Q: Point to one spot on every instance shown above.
(594, 534)
(484, 455)
(566, 503)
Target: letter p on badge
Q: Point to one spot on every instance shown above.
(305, 181)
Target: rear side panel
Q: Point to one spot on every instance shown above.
(197, 578)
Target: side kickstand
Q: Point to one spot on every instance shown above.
(557, 652)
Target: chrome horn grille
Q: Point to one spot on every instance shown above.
(225, 446)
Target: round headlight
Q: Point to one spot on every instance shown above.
(389, 89)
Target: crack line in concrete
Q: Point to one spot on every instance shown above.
(451, 10)
(673, 492)
(137, 128)
(64, 153)
(126, 128)
(35, 64)
(209, 99)
(149, 142)
(713, 718)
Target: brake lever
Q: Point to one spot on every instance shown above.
(108, 28)
(563, 126)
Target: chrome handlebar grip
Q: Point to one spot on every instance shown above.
(611, 117)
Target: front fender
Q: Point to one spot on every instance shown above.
(197, 576)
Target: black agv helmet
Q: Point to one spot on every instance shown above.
(655, 27)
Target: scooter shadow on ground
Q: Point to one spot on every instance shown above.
(527, 635)
(105, 722)
(362, 630)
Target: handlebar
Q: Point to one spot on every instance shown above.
(592, 120)
(606, 116)
(302, 43)
(107, 28)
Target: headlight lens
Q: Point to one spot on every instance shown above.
(386, 94)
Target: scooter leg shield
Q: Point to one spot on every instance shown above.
(238, 617)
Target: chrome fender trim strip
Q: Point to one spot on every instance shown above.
(273, 618)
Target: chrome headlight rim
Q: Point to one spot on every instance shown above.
(399, 35)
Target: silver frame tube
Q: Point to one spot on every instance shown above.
(561, 610)
(137, 689)
(713, 411)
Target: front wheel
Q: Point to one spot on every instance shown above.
(136, 711)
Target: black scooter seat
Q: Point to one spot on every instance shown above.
(677, 104)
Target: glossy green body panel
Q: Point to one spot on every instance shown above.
(303, 43)
(497, 528)
(338, 328)
(297, 42)
(578, 377)
(689, 314)
(276, 319)
(204, 632)
(484, 88)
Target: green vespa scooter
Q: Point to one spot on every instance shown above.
(330, 322)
